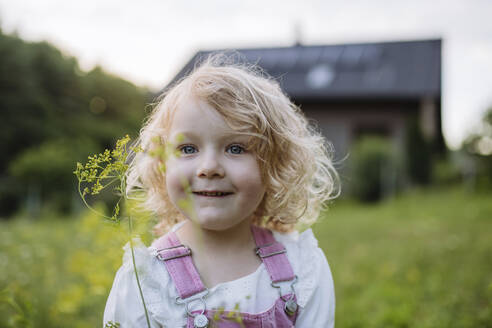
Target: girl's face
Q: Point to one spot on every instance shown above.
(223, 177)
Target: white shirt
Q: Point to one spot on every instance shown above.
(252, 293)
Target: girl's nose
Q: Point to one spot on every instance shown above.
(210, 167)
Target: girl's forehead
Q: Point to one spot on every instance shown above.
(196, 113)
(195, 116)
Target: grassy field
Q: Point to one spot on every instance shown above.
(421, 260)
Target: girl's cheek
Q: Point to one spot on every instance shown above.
(175, 190)
(177, 177)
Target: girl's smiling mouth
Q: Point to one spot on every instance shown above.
(212, 193)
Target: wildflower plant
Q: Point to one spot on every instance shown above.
(111, 324)
(103, 171)
(107, 170)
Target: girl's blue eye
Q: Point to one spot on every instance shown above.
(187, 149)
(235, 149)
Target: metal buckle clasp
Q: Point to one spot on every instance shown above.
(293, 282)
(162, 258)
(199, 319)
(257, 251)
(290, 305)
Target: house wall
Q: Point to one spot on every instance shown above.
(342, 124)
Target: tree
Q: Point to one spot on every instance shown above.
(48, 104)
(479, 146)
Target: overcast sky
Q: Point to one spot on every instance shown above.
(148, 41)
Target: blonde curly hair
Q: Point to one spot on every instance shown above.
(294, 158)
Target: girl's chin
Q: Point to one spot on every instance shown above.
(215, 223)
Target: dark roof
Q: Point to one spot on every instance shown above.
(405, 69)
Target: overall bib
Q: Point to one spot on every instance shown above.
(191, 290)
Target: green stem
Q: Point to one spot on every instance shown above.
(90, 207)
(135, 270)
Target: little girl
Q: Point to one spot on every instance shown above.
(245, 170)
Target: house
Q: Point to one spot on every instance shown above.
(352, 90)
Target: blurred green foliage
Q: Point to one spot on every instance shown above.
(479, 146)
(374, 169)
(418, 154)
(57, 272)
(421, 260)
(53, 115)
(418, 260)
(445, 171)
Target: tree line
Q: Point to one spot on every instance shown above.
(53, 115)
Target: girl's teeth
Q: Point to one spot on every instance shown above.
(212, 193)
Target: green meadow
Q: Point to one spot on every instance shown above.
(423, 259)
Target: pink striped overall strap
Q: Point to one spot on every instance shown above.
(178, 262)
(273, 255)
